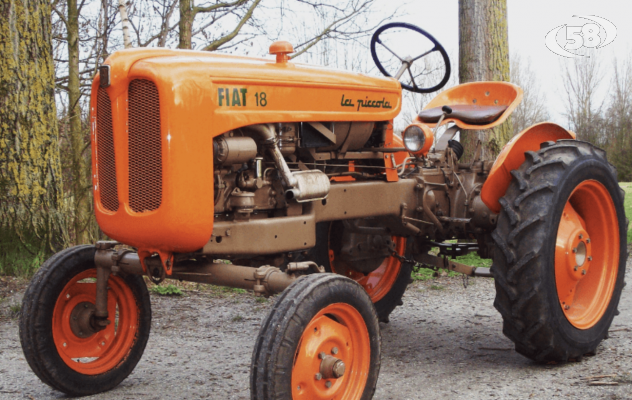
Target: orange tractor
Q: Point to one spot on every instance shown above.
(293, 173)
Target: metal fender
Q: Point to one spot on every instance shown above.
(512, 156)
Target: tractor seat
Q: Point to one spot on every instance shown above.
(470, 114)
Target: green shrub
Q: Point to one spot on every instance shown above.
(169, 290)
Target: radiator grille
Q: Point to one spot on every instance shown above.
(145, 150)
(106, 169)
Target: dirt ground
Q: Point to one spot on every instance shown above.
(445, 342)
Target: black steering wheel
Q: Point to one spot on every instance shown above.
(406, 70)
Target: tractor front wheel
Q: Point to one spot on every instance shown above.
(320, 341)
(560, 260)
(58, 338)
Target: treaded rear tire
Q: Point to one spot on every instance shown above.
(524, 262)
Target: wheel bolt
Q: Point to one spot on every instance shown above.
(581, 236)
(567, 307)
(576, 267)
(587, 240)
(574, 249)
(319, 376)
(321, 355)
(328, 384)
(589, 258)
(334, 350)
(65, 344)
(583, 272)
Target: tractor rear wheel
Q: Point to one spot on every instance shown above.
(385, 285)
(320, 341)
(560, 256)
(72, 356)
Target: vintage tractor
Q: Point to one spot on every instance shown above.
(293, 174)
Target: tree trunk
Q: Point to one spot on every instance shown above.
(30, 169)
(80, 188)
(125, 24)
(186, 24)
(484, 56)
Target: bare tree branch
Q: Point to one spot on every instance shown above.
(214, 45)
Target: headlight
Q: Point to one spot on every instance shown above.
(414, 138)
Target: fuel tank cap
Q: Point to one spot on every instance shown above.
(281, 48)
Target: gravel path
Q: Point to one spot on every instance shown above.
(445, 342)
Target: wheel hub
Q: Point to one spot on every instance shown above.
(331, 367)
(578, 254)
(575, 252)
(81, 319)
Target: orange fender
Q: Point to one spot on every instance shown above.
(512, 156)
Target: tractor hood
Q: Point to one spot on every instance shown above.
(242, 91)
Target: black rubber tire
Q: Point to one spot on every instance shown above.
(281, 331)
(36, 325)
(385, 306)
(524, 265)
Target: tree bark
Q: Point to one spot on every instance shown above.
(80, 188)
(484, 56)
(185, 24)
(30, 169)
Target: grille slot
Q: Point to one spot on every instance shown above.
(145, 148)
(106, 165)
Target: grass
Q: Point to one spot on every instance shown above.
(14, 310)
(472, 259)
(18, 259)
(237, 318)
(627, 187)
(168, 290)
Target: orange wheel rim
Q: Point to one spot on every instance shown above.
(339, 331)
(587, 254)
(103, 350)
(379, 282)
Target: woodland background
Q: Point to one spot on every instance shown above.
(51, 50)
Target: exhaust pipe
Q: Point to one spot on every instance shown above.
(301, 186)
